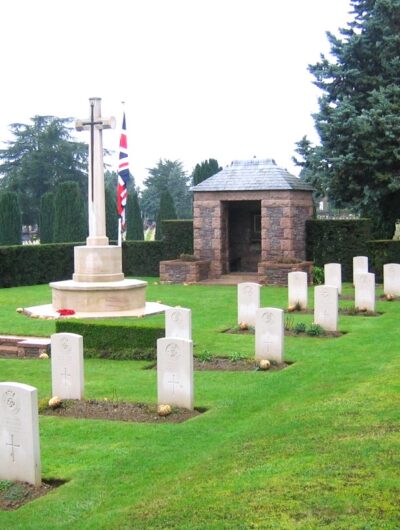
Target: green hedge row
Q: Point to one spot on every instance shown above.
(381, 252)
(114, 340)
(337, 241)
(34, 264)
(178, 237)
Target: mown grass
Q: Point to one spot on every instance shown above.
(312, 446)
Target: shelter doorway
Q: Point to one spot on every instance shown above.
(244, 235)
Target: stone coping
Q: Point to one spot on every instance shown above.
(72, 285)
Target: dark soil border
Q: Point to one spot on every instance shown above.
(289, 333)
(16, 494)
(115, 410)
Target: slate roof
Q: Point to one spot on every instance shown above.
(252, 175)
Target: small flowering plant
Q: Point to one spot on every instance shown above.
(65, 312)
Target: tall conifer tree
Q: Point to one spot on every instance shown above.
(134, 221)
(46, 218)
(69, 214)
(10, 219)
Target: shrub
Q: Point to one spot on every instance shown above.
(318, 275)
(299, 327)
(10, 219)
(110, 196)
(113, 340)
(315, 330)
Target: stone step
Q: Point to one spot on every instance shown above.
(11, 346)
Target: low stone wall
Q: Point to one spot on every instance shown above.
(179, 271)
(273, 273)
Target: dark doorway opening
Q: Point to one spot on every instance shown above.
(244, 235)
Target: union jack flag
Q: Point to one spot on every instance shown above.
(123, 175)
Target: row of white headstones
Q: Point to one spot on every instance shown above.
(269, 321)
(19, 420)
(19, 430)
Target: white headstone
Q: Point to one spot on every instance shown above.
(326, 307)
(178, 323)
(19, 434)
(364, 293)
(297, 289)
(270, 334)
(175, 372)
(67, 365)
(360, 266)
(248, 302)
(391, 279)
(333, 275)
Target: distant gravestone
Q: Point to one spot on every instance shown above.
(360, 266)
(175, 372)
(269, 334)
(391, 279)
(364, 293)
(333, 275)
(19, 434)
(248, 302)
(67, 365)
(326, 307)
(297, 289)
(178, 323)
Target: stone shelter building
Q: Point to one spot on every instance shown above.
(249, 217)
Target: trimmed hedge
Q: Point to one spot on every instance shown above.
(337, 241)
(142, 258)
(178, 237)
(33, 264)
(381, 252)
(114, 341)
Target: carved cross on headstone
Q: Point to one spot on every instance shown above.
(12, 445)
(95, 124)
(65, 376)
(173, 383)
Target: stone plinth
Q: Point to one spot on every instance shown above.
(98, 264)
(179, 271)
(96, 297)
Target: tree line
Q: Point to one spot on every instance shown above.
(43, 181)
(356, 163)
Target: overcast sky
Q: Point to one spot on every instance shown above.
(224, 79)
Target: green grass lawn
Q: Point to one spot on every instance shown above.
(313, 446)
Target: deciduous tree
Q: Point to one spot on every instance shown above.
(39, 157)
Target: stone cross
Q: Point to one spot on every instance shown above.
(19, 434)
(67, 365)
(97, 218)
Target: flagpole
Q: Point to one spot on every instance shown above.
(120, 227)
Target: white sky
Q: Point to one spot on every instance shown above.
(224, 79)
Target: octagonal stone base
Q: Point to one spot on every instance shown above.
(93, 297)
